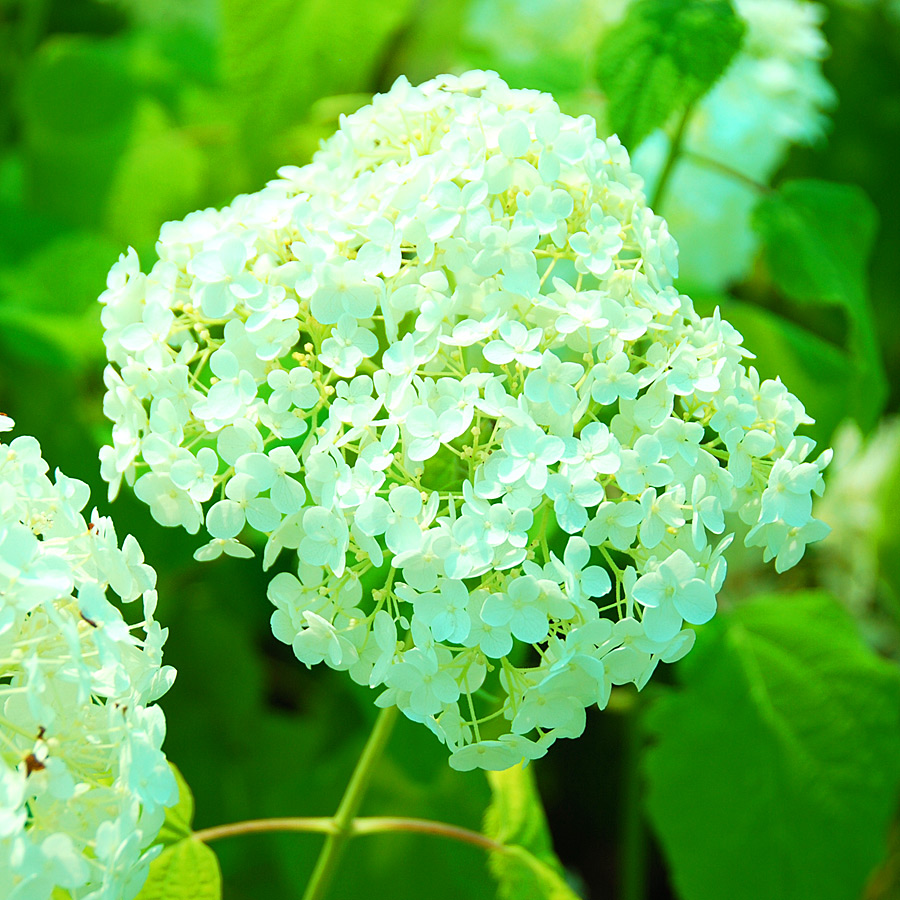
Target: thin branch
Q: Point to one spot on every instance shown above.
(359, 827)
(322, 825)
(709, 163)
(380, 824)
(671, 159)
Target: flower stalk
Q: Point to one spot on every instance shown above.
(342, 824)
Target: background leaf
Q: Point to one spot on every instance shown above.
(187, 870)
(817, 239)
(278, 57)
(663, 56)
(776, 764)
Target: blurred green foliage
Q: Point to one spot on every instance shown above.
(115, 116)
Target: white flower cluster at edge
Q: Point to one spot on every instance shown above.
(83, 782)
(772, 96)
(445, 367)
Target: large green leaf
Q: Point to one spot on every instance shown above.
(528, 868)
(187, 870)
(158, 177)
(817, 238)
(775, 766)
(663, 56)
(278, 57)
(77, 98)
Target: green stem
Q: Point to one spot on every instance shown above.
(258, 826)
(359, 828)
(671, 159)
(381, 824)
(634, 834)
(709, 163)
(342, 823)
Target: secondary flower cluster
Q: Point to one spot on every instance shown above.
(83, 781)
(771, 97)
(445, 365)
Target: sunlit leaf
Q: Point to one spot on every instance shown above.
(179, 817)
(278, 57)
(77, 98)
(157, 178)
(187, 870)
(528, 868)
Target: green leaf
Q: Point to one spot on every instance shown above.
(187, 870)
(180, 817)
(817, 238)
(775, 767)
(528, 868)
(158, 177)
(48, 302)
(77, 100)
(662, 57)
(278, 57)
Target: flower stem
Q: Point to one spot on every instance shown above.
(360, 827)
(342, 825)
(381, 824)
(710, 163)
(633, 879)
(671, 159)
(257, 826)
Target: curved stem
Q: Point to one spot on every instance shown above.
(709, 163)
(671, 159)
(359, 828)
(342, 823)
(381, 824)
(259, 826)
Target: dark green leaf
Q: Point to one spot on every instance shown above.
(776, 765)
(817, 238)
(528, 868)
(77, 99)
(48, 303)
(663, 56)
(187, 870)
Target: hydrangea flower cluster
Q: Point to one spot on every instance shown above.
(83, 781)
(445, 365)
(772, 96)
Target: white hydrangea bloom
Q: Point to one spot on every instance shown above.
(772, 96)
(83, 781)
(527, 453)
